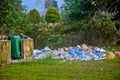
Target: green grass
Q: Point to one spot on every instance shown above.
(51, 69)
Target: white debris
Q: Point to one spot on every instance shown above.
(83, 52)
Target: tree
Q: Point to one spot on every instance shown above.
(34, 17)
(52, 15)
(34, 27)
(91, 20)
(55, 4)
(101, 30)
(79, 9)
(50, 3)
(11, 18)
(111, 6)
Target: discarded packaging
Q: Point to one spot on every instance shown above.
(83, 52)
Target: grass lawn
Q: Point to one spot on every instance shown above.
(51, 69)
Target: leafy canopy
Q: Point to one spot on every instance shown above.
(52, 15)
(11, 15)
(34, 17)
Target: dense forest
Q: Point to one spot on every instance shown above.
(93, 22)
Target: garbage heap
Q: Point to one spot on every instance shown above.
(80, 52)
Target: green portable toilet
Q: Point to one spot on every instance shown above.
(15, 46)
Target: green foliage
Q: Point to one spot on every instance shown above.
(80, 9)
(50, 3)
(11, 15)
(111, 6)
(38, 33)
(85, 9)
(91, 22)
(55, 41)
(53, 38)
(45, 35)
(99, 30)
(52, 15)
(55, 4)
(34, 16)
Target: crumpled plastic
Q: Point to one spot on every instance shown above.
(83, 52)
(43, 53)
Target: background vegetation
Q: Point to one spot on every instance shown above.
(92, 22)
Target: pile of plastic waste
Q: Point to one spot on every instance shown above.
(43, 53)
(80, 52)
